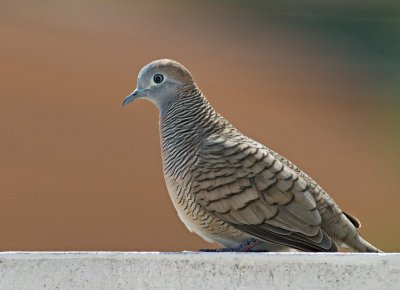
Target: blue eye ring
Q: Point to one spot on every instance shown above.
(158, 78)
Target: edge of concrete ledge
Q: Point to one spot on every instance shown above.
(194, 270)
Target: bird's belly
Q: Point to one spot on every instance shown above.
(198, 221)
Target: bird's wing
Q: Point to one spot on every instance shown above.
(241, 182)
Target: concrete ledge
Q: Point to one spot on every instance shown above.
(188, 270)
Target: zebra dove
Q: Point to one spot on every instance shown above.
(230, 189)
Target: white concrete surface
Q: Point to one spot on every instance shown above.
(188, 270)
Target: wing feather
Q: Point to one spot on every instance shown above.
(259, 195)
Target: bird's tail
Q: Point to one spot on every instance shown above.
(363, 246)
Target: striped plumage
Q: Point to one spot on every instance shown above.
(228, 188)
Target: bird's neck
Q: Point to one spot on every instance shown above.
(188, 116)
(185, 122)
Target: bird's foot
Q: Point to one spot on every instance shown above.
(246, 246)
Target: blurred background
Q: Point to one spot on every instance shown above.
(317, 81)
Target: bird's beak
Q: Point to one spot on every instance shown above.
(133, 96)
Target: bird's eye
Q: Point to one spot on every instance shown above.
(158, 78)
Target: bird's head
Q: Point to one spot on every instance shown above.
(160, 81)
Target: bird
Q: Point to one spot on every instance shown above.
(230, 189)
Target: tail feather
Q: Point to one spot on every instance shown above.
(361, 245)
